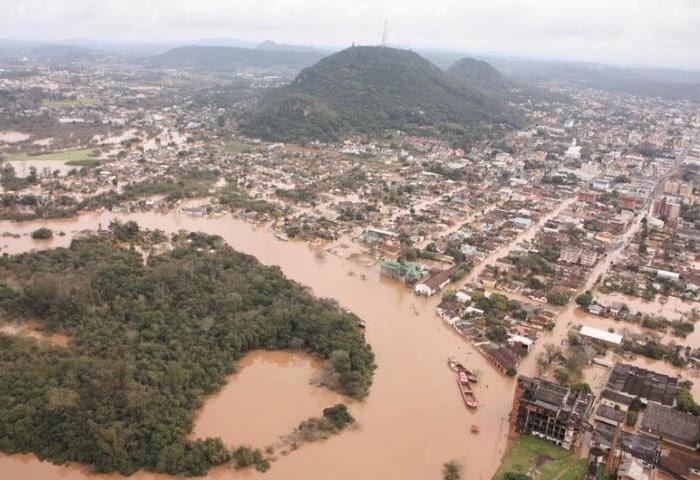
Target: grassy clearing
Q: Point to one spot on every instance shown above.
(69, 102)
(67, 156)
(541, 460)
(239, 148)
(90, 163)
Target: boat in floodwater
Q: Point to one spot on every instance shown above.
(457, 367)
(454, 365)
(466, 390)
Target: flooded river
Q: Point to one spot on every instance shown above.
(412, 422)
(414, 419)
(266, 380)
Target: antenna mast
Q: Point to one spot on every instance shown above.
(385, 33)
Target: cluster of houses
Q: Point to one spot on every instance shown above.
(634, 422)
(459, 311)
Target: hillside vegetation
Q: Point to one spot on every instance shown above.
(147, 343)
(372, 89)
(480, 75)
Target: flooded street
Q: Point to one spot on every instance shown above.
(9, 136)
(528, 234)
(414, 418)
(671, 307)
(42, 167)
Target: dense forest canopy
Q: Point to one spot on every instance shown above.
(148, 340)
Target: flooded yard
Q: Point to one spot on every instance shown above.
(9, 136)
(42, 167)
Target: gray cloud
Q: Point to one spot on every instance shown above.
(660, 32)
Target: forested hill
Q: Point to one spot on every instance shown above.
(147, 343)
(480, 75)
(369, 90)
(222, 58)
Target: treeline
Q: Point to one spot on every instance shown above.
(147, 343)
(192, 184)
(236, 199)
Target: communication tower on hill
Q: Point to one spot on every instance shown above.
(385, 32)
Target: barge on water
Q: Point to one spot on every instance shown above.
(466, 390)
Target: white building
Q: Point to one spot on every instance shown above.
(600, 335)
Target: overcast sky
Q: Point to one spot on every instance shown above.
(643, 32)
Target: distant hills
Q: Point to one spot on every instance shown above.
(270, 45)
(218, 58)
(65, 52)
(655, 82)
(226, 54)
(372, 89)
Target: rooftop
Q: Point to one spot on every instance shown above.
(641, 447)
(671, 424)
(645, 384)
(608, 412)
(553, 396)
(601, 335)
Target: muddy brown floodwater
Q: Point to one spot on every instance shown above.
(265, 379)
(8, 136)
(414, 418)
(571, 316)
(43, 167)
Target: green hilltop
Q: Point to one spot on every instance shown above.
(367, 90)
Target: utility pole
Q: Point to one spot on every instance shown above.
(610, 464)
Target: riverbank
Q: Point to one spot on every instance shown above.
(413, 397)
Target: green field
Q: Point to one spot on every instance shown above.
(69, 102)
(541, 460)
(239, 148)
(67, 156)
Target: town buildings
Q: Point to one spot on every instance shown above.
(550, 411)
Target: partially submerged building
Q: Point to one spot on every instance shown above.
(433, 284)
(551, 411)
(600, 336)
(406, 272)
(501, 357)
